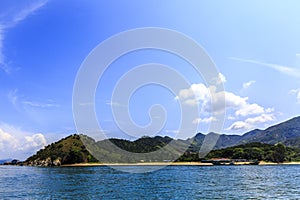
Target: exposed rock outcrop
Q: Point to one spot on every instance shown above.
(48, 162)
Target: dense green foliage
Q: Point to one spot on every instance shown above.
(258, 151)
(72, 150)
(69, 150)
(256, 144)
(287, 133)
(189, 157)
(143, 145)
(145, 149)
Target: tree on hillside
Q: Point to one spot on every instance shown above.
(279, 153)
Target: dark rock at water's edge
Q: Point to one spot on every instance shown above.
(48, 162)
(38, 162)
(72, 150)
(12, 162)
(69, 150)
(8, 160)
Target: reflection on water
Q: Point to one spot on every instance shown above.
(172, 182)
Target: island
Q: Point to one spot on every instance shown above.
(276, 144)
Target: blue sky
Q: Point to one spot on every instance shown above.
(255, 46)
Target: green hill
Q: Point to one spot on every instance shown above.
(147, 149)
(71, 150)
(80, 148)
(68, 150)
(258, 151)
(287, 132)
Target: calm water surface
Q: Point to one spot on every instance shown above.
(172, 182)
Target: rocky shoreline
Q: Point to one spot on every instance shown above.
(57, 163)
(48, 162)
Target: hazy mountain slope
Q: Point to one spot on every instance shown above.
(282, 132)
(287, 132)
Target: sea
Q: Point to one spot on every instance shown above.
(170, 182)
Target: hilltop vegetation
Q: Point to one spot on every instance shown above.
(68, 150)
(278, 143)
(142, 145)
(287, 133)
(72, 150)
(258, 151)
(145, 149)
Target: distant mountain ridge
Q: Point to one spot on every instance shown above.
(78, 148)
(285, 132)
(2, 161)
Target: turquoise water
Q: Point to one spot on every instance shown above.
(172, 182)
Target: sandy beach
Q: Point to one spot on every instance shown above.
(168, 163)
(285, 163)
(139, 164)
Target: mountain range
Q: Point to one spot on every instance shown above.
(287, 132)
(82, 148)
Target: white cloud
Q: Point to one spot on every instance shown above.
(250, 109)
(297, 93)
(193, 95)
(39, 105)
(13, 97)
(220, 79)
(204, 120)
(199, 91)
(2, 64)
(191, 102)
(18, 103)
(115, 104)
(294, 91)
(200, 94)
(7, 141)
(248, 84)
(16, 143)
(231, 118)
(252, 122)
(27, 10)
(87, 104)
(234, 101)
(15, 13)
(253, 113)
(280, 68)
(269, 110)
(239, 125)
(35, 141)
(260, 119)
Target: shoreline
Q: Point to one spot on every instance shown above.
(139, 164)
(285, 163)
(167, 163)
